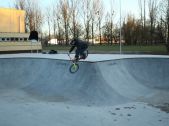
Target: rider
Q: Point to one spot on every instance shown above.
(81, 46)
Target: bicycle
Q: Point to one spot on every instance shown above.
(75, 66)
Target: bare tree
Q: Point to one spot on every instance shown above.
(107, 28)
(112, 14)
(86, 14)
(152, 14)
(48, 19)
(168, 25)
(93, 18)
(100, 17)
(129, 28)
(54, 18)
(142, 18)
(20, 4)
(74, 11)
(164, 9)
(65, 16)
(58, 18)
(144, 14)
(34, 17)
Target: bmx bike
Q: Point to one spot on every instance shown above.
(74, 67)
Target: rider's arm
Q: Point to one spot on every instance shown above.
(71, 49)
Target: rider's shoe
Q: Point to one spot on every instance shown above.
(83, 57)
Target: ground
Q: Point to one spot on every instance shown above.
(39, 90)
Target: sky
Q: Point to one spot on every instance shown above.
(127, 7)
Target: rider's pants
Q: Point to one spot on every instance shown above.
(80, 52)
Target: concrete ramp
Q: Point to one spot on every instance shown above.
(51, 80)
(34, 86)
(106, 82)
(138, 78)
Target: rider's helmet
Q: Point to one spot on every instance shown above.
(73, 41)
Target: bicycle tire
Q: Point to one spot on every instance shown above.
(74, 68)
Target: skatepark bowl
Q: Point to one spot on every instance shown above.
(107, 90)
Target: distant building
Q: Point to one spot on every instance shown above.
(53, 42)
(13, 37)
(12, 31)
(12, 20)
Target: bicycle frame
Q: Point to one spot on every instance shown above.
(74, 67)
(71, 58)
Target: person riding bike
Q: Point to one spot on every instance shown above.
(81, 47)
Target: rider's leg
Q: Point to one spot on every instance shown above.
(77, 55)
(82, 54)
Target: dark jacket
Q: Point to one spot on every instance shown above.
(79, 44)
(33, 35)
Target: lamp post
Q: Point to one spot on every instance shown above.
(120, 26)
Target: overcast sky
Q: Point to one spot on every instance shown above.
(128, 6)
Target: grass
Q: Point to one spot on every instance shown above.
(148, 49)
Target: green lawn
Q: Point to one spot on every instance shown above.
(151, 49)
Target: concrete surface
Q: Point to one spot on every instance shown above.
(120, 90)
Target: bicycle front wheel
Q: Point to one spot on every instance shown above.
(74, 68)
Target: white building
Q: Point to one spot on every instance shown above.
(53, 42)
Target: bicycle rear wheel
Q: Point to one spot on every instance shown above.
(74, 68)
